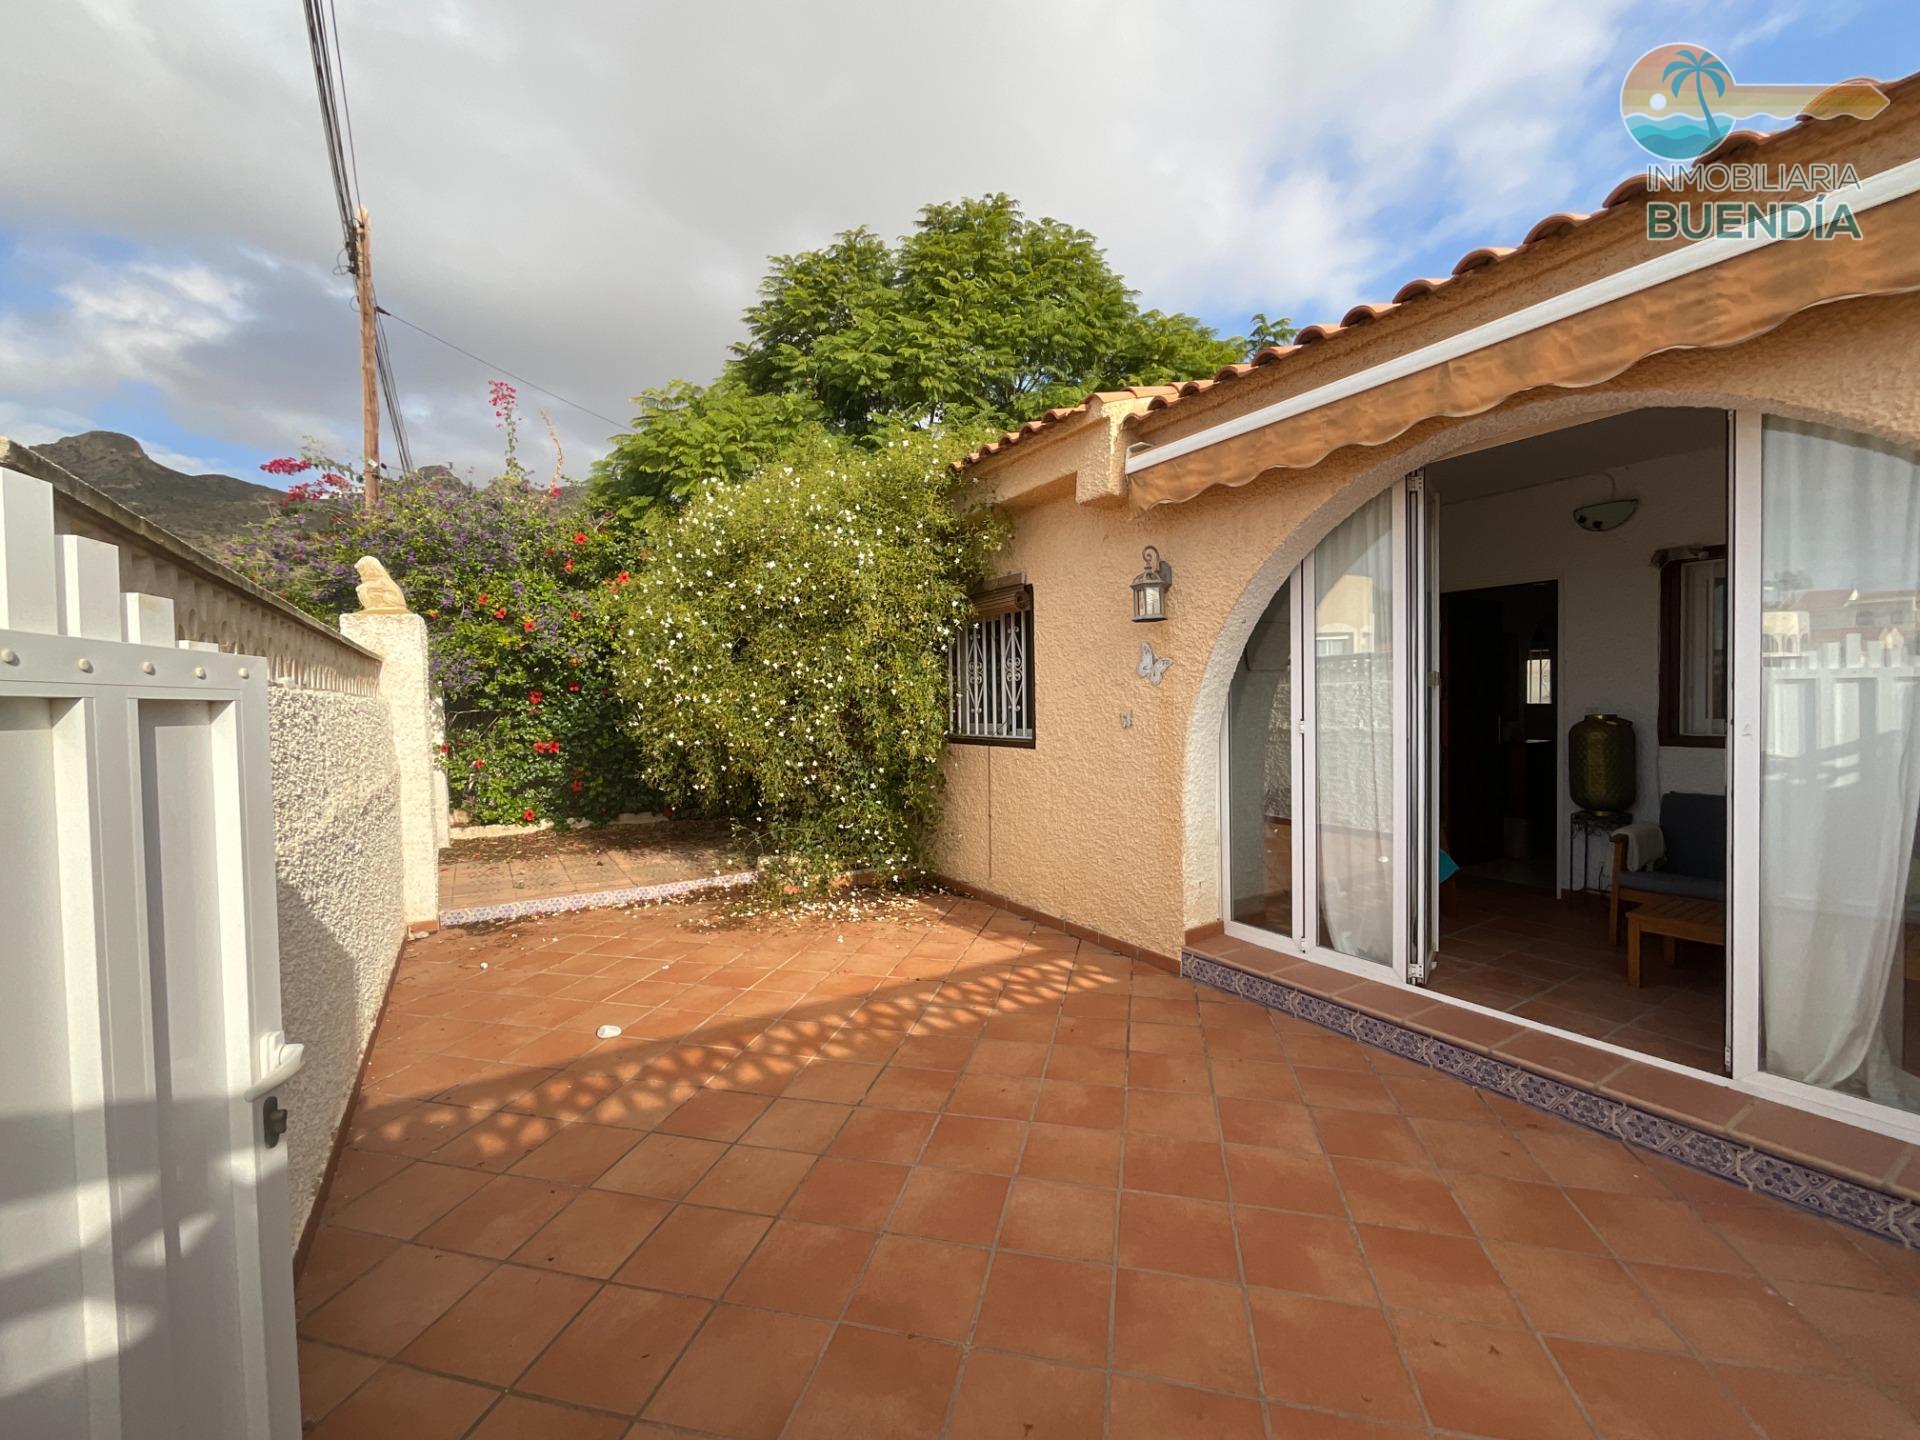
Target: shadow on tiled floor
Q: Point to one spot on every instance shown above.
(948, 1174)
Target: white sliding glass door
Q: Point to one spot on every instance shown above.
(1353, 730)
(1827, 764)
(1318, 823)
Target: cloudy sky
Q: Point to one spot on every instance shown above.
(584, 191)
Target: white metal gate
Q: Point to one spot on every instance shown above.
(146, 1285)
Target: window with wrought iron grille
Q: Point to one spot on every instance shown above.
(990, 669)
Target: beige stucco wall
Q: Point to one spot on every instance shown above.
(1115, 826)
(401, 643)
(338, 873)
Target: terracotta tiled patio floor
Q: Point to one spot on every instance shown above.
(949, 1175)
(1517, 949)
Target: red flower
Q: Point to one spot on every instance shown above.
(575, 685)
(446, 749)
(574, 614)
(569, 564)
(554, 490)
(579, 537)
(624, 577)
(486, 599)
(500, 614)
(527, 625)
(526, 815)
(576, 785)
(534, 697)
(479, 764)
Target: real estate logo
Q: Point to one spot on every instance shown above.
(1680, 101)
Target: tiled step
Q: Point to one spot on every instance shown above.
(1840, 1171)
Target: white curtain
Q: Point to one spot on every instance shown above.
(1353, 731)
(1840, 767)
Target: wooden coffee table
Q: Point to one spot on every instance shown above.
(1675, 919)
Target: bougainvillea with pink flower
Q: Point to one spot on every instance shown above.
(520, 643)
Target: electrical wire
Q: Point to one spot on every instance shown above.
(501, 369)
(343, 161)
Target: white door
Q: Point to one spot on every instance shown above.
(1422, 691)
(145, 1256)
(1359, 613)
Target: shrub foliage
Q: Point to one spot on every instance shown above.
(518, 584)
(783, 653)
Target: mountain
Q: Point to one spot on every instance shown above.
(202, 509)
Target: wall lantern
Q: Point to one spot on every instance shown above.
(1150, 587)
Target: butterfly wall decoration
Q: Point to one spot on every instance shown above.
(1151, 670)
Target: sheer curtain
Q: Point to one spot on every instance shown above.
(1260, 772)
(1840, 766)
(1353, 731)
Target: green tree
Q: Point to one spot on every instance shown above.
(1264, 334)
(782, 655)
(685, 434)
(981, 318)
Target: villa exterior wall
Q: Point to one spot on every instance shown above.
(1111, 819)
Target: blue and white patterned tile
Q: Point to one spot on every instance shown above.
(1890, 1217)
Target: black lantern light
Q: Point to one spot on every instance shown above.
(1150, 587)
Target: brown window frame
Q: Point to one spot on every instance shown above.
(1670, 733)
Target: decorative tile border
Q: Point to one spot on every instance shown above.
(1889, 1216)
(594, 900)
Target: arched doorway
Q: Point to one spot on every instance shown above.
(1763, 637)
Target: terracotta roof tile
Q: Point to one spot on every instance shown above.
(1549, 227)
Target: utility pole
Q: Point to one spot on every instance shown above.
(369, 377)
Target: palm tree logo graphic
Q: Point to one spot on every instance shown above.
(1699, 66)
(1679, 101)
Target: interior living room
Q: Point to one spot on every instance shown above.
(1584, 680)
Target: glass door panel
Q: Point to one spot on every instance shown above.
(1838, 772)
(1259, 794)
(1354, 734)
(1423, 714)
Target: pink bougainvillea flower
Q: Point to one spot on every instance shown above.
(286, 465)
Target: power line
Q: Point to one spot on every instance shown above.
(501, 369)
(343, 161)
(391, 389)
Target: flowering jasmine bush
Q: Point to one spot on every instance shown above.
(519, 586)
(783, 654)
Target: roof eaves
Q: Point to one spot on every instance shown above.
(1484, 257)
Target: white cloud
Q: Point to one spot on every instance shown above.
(587, 193)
